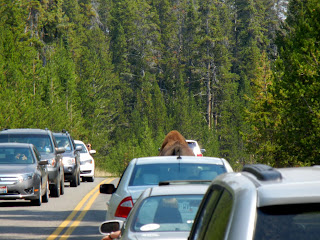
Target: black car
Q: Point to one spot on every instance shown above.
(70, 158)
(47, 146)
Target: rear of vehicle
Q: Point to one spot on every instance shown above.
(165, 212)
(45, 143)
(86, 162)
(70, 158)
(22, 174)
(142, 173)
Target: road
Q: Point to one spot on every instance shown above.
(75, 215)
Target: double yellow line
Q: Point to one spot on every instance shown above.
(78, 208)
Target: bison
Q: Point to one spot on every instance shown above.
(175, 144)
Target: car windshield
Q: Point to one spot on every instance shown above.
(63, 141)
(166, 213)
(152, 174)
(41, 142)
(84, 149)
(294, 222)
(15, 155)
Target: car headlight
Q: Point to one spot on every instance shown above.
(25, 177)
(89, 161)
(68, 161)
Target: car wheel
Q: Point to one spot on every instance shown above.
(91, 179)
(37, 202)
(73, 182)
(55, 191)
(79, 179)
(62, 186)
(45, 197)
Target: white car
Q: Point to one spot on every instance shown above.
(86, 162)
(145, 172)
(198, 152)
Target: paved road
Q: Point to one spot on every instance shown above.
(75, 215)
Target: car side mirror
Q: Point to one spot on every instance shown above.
(107, 188)
(78, 148)
(92, 151)
(43, 162)
(110, 226)
(60, 150)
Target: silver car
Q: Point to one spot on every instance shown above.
(261, 202)
(23, 175)
(142, 173)
(162, 212)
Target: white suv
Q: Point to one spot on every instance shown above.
(198, 152)
(259, 203)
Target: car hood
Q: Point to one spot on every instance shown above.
(85, 156)
(68, 154)
(136, 191)
(16, 169)
(46, 156)
(159, 236)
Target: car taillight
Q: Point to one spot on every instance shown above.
(199, 155)
(124, 207)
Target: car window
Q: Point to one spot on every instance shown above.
(204, 214)
(294, 222)
(84, 149)
(166, 213)
(63, 141)
(192, 145)
(219, 218)
(14, 155)
(41, 142)
(152, 174)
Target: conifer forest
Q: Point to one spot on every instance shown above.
(242, 77)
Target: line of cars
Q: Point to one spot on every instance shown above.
(36, 162)
(257, 203)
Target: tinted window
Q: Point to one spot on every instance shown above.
(63, 141)
(294, 222)
(169, 213)
(220, 217)
(84, 149)
(41, 142)
(152, 174)
(15, 155)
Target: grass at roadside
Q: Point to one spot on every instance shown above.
(102, 173)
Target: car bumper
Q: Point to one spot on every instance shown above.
(23, 190)
(87, 170)
(69, 172)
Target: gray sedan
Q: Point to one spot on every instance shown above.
(23, 175)
(162, 212)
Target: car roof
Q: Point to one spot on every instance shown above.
(276, 186)
(25, 131)
(175, 159)
(14, 144)
(185, 189)
(78, 141)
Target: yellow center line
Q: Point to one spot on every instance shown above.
(65, 223)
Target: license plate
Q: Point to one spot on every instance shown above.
(3, 189)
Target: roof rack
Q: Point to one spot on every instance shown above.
(182, 182)
(263, 172)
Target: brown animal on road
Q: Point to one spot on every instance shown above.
(175, 144)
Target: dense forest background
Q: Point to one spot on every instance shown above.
(239, 76)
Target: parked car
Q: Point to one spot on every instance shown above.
(23, 175)
(86, 162)
(162, 212)
(47, 146)
(259, 203)
(70, 158)
(142, 173)
(196, 148)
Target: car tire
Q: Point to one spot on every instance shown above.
(79, 179)
(55, 191)
(37, 202)
(45, 197)
(73, 182)
(62, 186)
(90, 179)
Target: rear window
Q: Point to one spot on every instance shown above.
(152, 174)
(294, 222)
(41, 142)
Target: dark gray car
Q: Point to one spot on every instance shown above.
(70, 158)
(47, 146)
(23, 175)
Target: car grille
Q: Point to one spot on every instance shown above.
(86, 172)
(6, 180)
